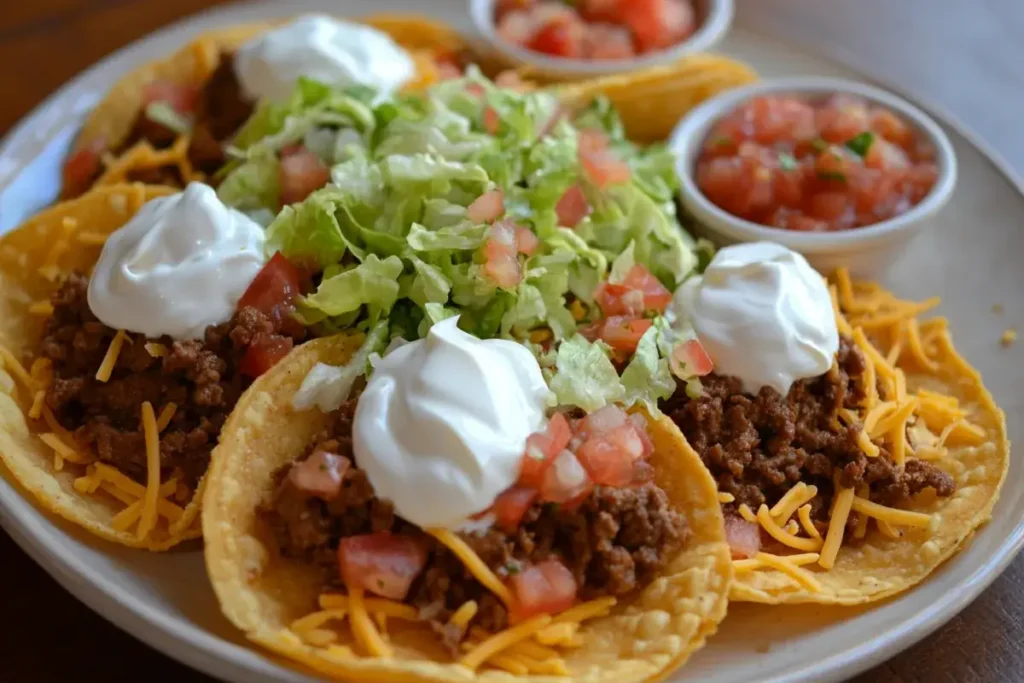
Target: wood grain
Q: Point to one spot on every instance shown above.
(54, 638)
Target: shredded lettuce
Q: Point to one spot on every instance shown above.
(328, 386)
(585, 376)
(648, 378)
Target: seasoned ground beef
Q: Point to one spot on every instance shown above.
(758, 447)
(614, 542)
(220, 110)
(200, 377)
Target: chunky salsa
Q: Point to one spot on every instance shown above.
(815, 165)
(595, 29)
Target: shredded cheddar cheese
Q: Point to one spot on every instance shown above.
(464, 614)
(157, 350)
(125, 518)
(746, 513)
(384, 606)
(501, 641)
(836, 528)
(93, 239)
(804, 513)
(477, 567)
(726, 497)
(782, 536)
(17, 369)
(166, 415)
(363, 628)
(598, 607)
(110, 359)
(789, 503)
(42, 308)
(148, 517)
(890, 515)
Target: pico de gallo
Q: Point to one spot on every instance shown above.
(815, 164)
(595, 29)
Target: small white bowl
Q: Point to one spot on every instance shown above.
(714, 17)
(866, 251)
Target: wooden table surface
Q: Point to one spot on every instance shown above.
(50, 636)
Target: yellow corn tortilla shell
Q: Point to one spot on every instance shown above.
(26, 458)
(652, 101)
(880, 567)
(111, 121)
(262, 593)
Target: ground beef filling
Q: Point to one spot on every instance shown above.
(200, 377)
(221, 109)
(758, 447)
(614, 542)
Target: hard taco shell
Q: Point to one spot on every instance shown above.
(23, 254)
(262, 593)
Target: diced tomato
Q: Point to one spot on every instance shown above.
(501, 257)
(264, 353)
(773, 119)
(891, 127)
(511, 505)
(492, 122)
(564, 479)
(619, 300)
(542, 448)
(739, 184)
(320, 474)
(639, 423)
(918, 181)
(656, 24)
(605, 461)
(599, 164)
(572, 207)
(834, 164)
(607, 41)
(842, 118)
(488, 207)
(622, 333)
(544, 588)
(301, 173)
(180, 97)
(82, 167)
(599, 10)
(602, 421)
(656, 296)
(516, 26)
(526, 241)
(689, 359)
(383, 563)
(743, 537)
(886, 156)
(274, 288)
(835, 208)
(560, 37)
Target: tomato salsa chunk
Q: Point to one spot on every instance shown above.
(815, 164)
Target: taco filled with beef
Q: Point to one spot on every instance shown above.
(442, 522)
(171, 121)
(853, 448)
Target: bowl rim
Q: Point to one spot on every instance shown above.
(718, 18)
(686, 140)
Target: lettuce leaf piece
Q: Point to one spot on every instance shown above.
(648, 378)
(460, 237)
(328, 386)
(253, 184)
(585, 376)
(309, 233)
(373, 283)
(429, 285)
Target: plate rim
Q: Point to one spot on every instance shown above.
(193, 646)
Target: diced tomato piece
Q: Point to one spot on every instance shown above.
(773, 119)
(542, 448)
(492, 122)
(605, 461)
(607, 41)
(274, 287)
(835, 208)
(598, 162)
(886, 156)
(835, 164)
(516, 26)
(842, 118)
(564, 479)
(511, 505)
(919, 181)
(623, 333)
(501, 257)
(526, 241)
(643, 472)
(82, 167)
(560, 37)
(301, 173)
(657, 24)
(320, 474)
(488, 207)
(690, 359)
(599, 10)
(628, 440)
(180, 97)
(639, 423)
(656, 296)
(545, 588)
(383, 563)
(741, 185)
(743, 537)
(891, 127)
(619, 300)
(602, 421)
(572, 207)
(264, 353)
(590, 331)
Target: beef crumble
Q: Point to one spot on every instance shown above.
(614, 542)
(201, 377)
(758, 447)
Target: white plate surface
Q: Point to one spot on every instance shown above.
(970, 256)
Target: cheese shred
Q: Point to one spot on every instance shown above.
(502, 641)
(836, 528)
(480, 571)
(363, 628)
(152, 434)
(110, 359)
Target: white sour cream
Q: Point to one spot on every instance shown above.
(441, 427)
(334, 52)
(179, 265)
(763, 315)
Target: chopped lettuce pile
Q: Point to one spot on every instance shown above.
(398, 252)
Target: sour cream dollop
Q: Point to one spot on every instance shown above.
(441, 427)
(763, 315)
(179, 265)
(334, 52)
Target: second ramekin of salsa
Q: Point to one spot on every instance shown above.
(843, 172)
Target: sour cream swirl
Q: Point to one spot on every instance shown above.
(441, 427)
(178, 266)
(334, 52)
(763, 315)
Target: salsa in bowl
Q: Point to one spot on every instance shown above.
(842, 171)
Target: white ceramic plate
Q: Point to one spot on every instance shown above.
(970, 257)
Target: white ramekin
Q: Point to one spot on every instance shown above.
(715, 17)
(866, 251)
